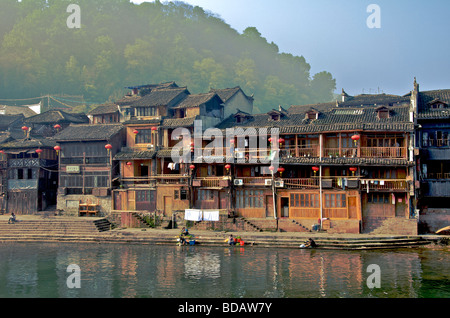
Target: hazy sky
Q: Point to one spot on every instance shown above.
(413, 39)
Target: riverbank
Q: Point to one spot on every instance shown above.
(74, 229)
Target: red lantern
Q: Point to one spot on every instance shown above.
(192, 167)
(154, 128)
(232, 141)
(38, 151)
(270, 139)
(355, 138)
(228, 167)
(315, 169)
(353, 170)
(24, 128)
(281, 140)
(108, 146)
(281, 170)
(271, 168)
(192, 144)
(129, 163)
(57, 148)
(135, 131)
(57, 126)
(2, 152)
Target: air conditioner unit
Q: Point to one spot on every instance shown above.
(240, 155)
(279, 184)
(268, 182)
(238, 182)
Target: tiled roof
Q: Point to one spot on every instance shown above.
(29, 143)
(14, 110)
(132, 155)
(5, 137)
(6, 120)
(86, 132)
(197, 100)
(57, 116)
(226, 93)
(334, 119)
(135, 121)
(425, 97)
(104, 109)
(178, 122)
(363, 100)
(160, 97)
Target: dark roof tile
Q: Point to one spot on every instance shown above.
(86, 132)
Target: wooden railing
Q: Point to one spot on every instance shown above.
(384, 152)
(438, 175)
(436, 143)
(341, 152)
(390, 184)
(210, 182)
(293, 151)
(153, 180)
(296, 183)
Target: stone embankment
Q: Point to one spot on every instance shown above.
(97, 230)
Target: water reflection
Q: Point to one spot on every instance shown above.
(39, 270)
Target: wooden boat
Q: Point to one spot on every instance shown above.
(444, 231)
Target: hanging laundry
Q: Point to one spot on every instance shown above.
(193, 215)
(211, 216)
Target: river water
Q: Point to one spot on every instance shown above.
(39, 270)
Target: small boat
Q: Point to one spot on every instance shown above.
(444, 231)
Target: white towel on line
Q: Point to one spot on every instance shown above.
(211, 216)
(193, 215)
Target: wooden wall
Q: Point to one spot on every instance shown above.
(23, 202)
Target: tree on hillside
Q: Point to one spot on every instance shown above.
(121, 44)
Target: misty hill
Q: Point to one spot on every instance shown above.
(121, 44)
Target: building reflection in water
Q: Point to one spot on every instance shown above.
(231, 272)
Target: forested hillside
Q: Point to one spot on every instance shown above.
(121, 44)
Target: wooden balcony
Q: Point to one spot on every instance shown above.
(341, 152)
(152, 181)
(384, 152)
(438, 175)
(296, 152)
(384, 185)
(211, 182)
(436, 143)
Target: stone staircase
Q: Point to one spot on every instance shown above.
(389, 226)
(52, 228)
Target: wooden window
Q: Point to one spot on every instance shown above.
(333, 200)
(249, 199)
(145, 136)
(146, 111)
(378, 198)
(304, 200)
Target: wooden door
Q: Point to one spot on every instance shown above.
(224, 203)
(168, 205)
(400, 205)
(269, 206)
(285, 207)
(352, 209)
